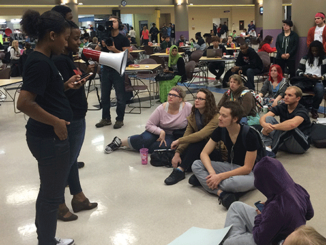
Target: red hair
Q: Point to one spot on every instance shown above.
(279, 73)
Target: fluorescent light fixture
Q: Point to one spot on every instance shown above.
(2, 21)
(15, 20)
(98, 19)
(80, 3)
(179, 4)
(191, 4)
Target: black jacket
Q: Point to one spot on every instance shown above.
(250, 60)
(181, 69)
(291, 47)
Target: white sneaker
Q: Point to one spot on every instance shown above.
(65, 241)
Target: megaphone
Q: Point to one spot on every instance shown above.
(117, 61)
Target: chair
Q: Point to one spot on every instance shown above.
(266, 65)
(158, 60)
(240, 40)
(195, 56)
(190, 71)
(136, 89)
(5, 73)
(148, 50)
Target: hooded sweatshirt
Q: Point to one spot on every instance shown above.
(286, 45)
(287, 207)
(249, 60)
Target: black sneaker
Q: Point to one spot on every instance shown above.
(227, 198)
(113, 146)
(175, 177)
(194, 181)
(80, 164)
(270, 154)
(103, 122)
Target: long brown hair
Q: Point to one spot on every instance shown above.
(210, 106)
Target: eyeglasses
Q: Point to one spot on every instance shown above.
(197, 98)
(174, 95)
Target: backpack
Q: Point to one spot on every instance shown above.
(6, 59)
(160, 158)
(257, 99)
(318, 135)
(261, 151)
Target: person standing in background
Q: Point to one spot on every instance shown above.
(251, 26)
(132, 35)
(154, 32)
(318, 32)
(173, 34)
(145, 36)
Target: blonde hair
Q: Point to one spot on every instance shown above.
(95, 40)
(14, 46)
(307, 235)
(237, 78)
(298, 91)
(180, 91)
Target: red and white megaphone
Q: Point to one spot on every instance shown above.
(117, 61)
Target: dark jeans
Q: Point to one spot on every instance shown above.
(145, 42)
(53, 160)
(149, 141)
(154, 38)
(213, 66)
(112, 77)
(286, 63)
(192, 153)
(76, 135)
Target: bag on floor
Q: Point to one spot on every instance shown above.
(161, 158)
(165, 87)
(318, 135)
(293, 141)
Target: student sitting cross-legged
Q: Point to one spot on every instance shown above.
(238, 145)
(166, 118)
(291, 133)
(287, 207)
(202, 121)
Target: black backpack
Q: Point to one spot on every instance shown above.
(6, 59)
(160, 158)
(261, 151)
(318, 135)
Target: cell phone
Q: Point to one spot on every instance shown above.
(259, 206)
(83, 76)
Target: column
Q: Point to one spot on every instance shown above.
(181, 19)
(73, 5)
(303, 17)
(157, 22)
(258, 16)
(272, 18)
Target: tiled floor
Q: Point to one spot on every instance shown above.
(135, 206)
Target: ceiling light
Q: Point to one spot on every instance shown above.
(15, 20)
(191, 4)
(80, 3)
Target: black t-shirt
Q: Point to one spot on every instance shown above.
(42, 78)
(282, 111)
(120, 41)
(239, 149)
(76, 97)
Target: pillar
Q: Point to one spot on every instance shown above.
(73, 5)
(272, 18)
(303, 17)
(258, 16)
(157, 22)
(181, 19)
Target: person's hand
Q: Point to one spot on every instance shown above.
(60, 129)
(240, 72)
(75, 82)
(283, 56)
(162, 138)
(213, 180)
(287, 56)
(267, 128)
(234, 69)
(176, 160)
(112, 48)
(316, 77)
(90, 68)
(307, 75)
(258, 212)
(175, 144)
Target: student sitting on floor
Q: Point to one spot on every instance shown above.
(311, 74)
(242, 95)
(305, 235)
(291, 134)
(233, 173)
(214, 66)
(166, 118)
(202, 121)
(287, 207)
(275, 86)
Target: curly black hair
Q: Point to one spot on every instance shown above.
(321, 52)
(210, 106)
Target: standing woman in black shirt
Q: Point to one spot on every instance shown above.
(76, 131)
(42, 98)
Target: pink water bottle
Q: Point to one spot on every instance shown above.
(144, 155)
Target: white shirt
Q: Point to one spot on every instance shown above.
(319, 33)
(313, 69)
(132, 33)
